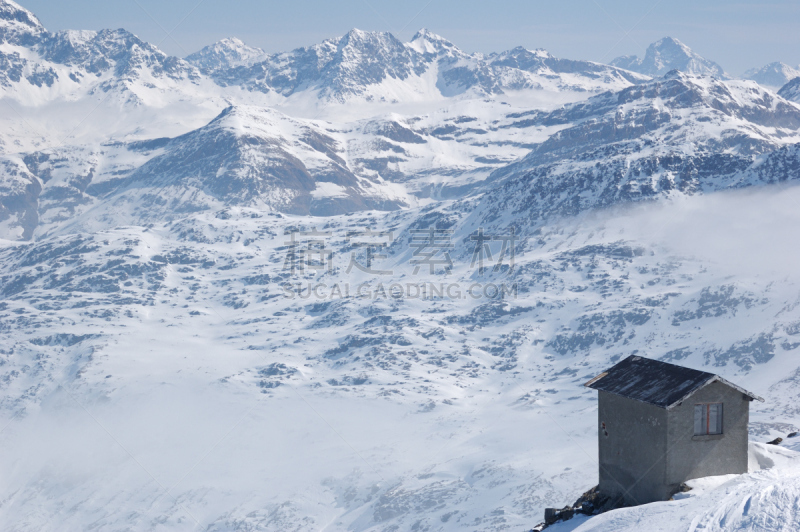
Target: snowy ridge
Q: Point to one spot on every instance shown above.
(76, 65)
(245, 156)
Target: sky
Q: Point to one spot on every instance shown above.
(737, 35)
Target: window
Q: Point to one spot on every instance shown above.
(707, 419)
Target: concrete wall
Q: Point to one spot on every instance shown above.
(646, 452)
(632, 449)
(693, 456)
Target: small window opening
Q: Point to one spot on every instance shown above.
(707, 419)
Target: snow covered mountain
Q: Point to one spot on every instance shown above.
(676, 131)
(43, 66)
(243, 157)
(336, 68)
(250, 155)
(219, 309)
(774, 75)
(676, 135)
(365, 66)
(669, 54)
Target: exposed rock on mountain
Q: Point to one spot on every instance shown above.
(18, 26)
(118, 51)
(37, 65)
(336, 69)
(791, 91)
(19, 194)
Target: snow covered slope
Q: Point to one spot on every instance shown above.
(765, 499)
(669, 54)
(245, 156)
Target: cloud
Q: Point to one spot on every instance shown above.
(744, 233)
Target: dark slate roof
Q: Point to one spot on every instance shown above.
(655, 382)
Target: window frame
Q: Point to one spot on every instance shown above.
(705, 419)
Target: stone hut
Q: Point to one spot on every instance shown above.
(660, 425)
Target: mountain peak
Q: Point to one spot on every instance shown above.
(359, 37)
(13, 12)
(538, 52)
(368, 41)
(427, 35)
(427, 42)
(375, 44)
(229, 52)
(773, 75)
(356, 34)
(666, 54)
(17, 24)
(674, 74)
(671, 42)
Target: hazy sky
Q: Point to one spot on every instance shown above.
(738, 35)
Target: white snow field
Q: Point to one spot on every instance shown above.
(767, 498)
(173, 359)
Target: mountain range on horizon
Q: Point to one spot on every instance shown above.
(232, 62)
(661, 56)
